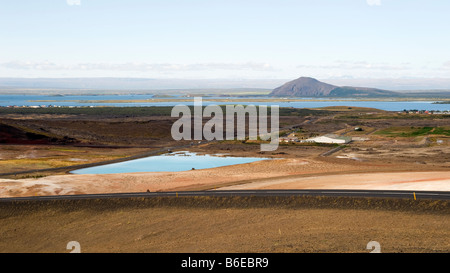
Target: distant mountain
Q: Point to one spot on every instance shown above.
(310, 87)
(348, 91)
(302, 87)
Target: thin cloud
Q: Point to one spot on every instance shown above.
(446, 65)
(373, 2)
(133, 66)
(45, 65)
(73, 2)
(360, 65)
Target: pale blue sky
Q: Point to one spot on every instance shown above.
(225, 38)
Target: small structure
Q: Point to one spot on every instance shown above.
(330, 138)
(288, 139)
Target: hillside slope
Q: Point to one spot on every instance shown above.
(310, 87)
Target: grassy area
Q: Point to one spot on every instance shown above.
(394, 116)
(24, 164)
(18, 158)
(413, 131)
(441, 131)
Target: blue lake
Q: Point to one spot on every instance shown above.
(173, 162)
(36, 100)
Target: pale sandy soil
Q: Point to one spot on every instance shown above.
(290, 173)
(420, 181)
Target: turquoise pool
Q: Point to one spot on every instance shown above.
(171, 162)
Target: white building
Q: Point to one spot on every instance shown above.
(330, 138)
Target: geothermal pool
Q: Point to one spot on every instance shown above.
(170, 162)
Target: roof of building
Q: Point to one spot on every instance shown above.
(338, 136)
(334, 136)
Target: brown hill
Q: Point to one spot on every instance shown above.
(310, 87)
(303, 86)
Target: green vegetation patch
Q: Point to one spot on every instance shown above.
(441, 131)
(413, 131)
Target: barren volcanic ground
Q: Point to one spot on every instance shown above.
(394, 151)
(239, 226)
(389, 153)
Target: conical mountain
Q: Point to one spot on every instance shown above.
(310, 87)
(303, 86)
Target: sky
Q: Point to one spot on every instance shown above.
(225, 39)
